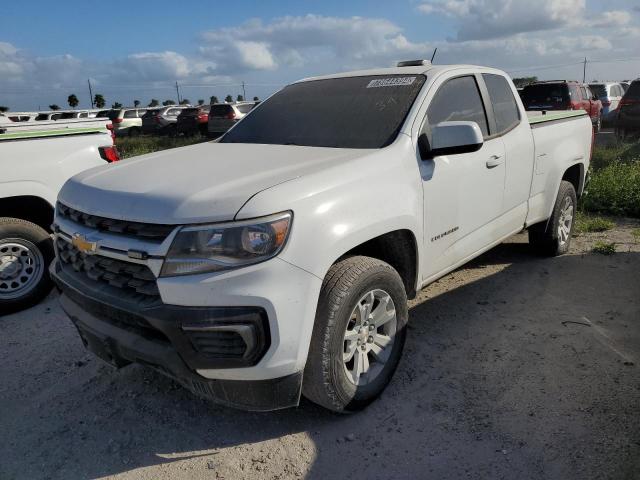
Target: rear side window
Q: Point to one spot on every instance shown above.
(174, 112)
(633, 91)
(458, 100)
(246, 108)
(505, 108)
(220, 110)
(130, 114)
(42, 116)
(601, 90)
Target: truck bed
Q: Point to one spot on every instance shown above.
(26, 130)
(537, 117)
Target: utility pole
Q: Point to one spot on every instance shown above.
(584, 70)
(244, 94)
(178, 92)
(90, 92)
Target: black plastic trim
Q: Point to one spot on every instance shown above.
(157, 320)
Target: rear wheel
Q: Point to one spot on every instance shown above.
(26, 250)
(553, 237)
(358, 335)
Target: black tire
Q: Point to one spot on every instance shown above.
(14, 231)
(325, 378)
(544, 236)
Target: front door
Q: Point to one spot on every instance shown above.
(463, 194)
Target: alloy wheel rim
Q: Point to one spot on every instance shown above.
(565, 222)
(21, 267)
(369, 337)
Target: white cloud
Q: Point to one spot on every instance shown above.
(613, 18)
(296, 41)
(485, 19)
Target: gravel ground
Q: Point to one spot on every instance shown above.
(516, 367)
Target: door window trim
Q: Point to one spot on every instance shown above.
(426, 127)
(488, 101)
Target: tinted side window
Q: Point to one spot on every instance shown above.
(130, 114)
(574, 93)
(458, 100)
(505, 108)
(585, 94)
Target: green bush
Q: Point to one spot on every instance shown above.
(614, 190)
(604, 248)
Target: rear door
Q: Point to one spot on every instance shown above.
(463, 193)
(515, 132)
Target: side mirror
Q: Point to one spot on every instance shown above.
(451, 138)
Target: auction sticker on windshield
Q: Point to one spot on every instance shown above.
(391, 82)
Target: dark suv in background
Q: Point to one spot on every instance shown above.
(628, 121)
(193, 120)
(161, 120)
(563, 95)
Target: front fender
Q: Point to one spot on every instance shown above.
(344, 206)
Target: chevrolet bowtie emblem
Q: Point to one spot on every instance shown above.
(81, 243)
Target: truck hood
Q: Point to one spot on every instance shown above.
(208, 182)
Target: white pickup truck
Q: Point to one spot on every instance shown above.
(278, 260)
(36, 158)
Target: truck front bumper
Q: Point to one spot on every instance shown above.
(161, 336)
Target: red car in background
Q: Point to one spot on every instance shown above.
(563, 95)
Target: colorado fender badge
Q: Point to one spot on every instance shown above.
(81, 243)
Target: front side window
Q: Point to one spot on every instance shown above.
(505, 108)
(345, 112)
(458, 100)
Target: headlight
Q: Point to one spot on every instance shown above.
(211, 248)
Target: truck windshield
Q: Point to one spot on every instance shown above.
(349, 112)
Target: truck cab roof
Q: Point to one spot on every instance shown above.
(429, 69)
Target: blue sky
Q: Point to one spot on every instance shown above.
(138, 50)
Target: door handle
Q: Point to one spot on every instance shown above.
(494, 161)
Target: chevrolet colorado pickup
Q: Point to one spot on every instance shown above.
(36, 158)
(278, 260)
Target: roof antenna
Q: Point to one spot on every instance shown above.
(434, 54)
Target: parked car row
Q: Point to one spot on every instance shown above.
(608, 103)
(212, 120)
(563, 95)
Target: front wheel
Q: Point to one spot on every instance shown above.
(26, 250)
(553, 237)
(358, 336)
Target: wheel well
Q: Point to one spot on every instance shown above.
(32, 209)
(398, 249)
(575, 175)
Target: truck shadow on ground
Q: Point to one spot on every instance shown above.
(515, 367)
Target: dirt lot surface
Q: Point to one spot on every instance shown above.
(516, 367)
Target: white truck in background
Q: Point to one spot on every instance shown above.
(36, 159)
(278, 260)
